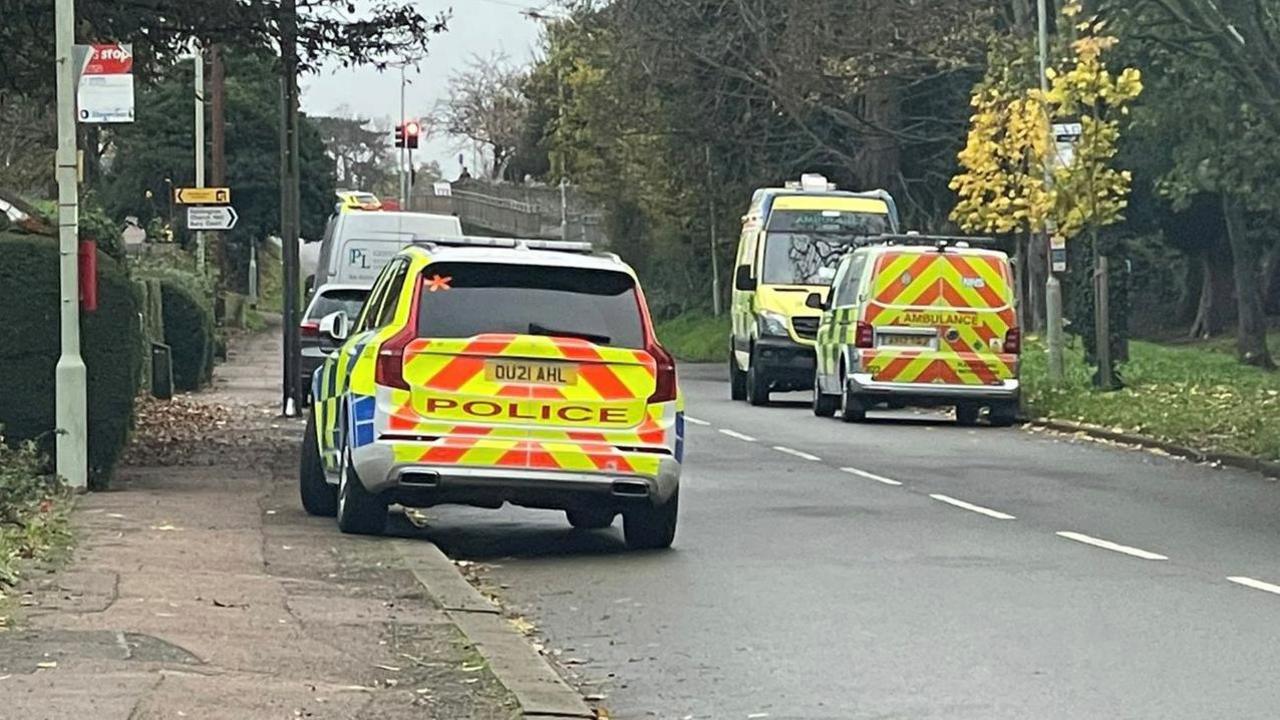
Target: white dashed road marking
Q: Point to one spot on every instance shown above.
(870, 476)
(973, 508)
(797, 453)
(736, 435)
(1255, 584)
(1115, 547)
(695, 421)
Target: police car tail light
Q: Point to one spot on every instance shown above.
(1013, 341)
(865, 336)
(664, 389)
(389, 370)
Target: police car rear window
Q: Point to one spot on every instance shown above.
(461, 300)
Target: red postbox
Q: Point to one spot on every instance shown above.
(88, 275)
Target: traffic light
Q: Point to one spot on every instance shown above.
(411, 132)
(400, 135)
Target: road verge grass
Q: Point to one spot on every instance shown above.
(696, 337)
(34, 509)
(1194, 395)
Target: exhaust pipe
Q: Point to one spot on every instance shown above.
(420, 479)
(630, 488)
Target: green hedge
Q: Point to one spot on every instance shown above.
(30, 344)
(189, 332)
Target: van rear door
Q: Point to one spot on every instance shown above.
(942, 317)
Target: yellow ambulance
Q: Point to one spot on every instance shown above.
(792, 238)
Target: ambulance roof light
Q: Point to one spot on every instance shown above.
(813, 182)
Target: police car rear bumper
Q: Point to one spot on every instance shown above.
(863, 384)
(417, 485)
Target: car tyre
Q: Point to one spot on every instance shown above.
(651, 528)
(967, 414)
(590, 519)
(1003, 414)
(853, 409)
(360, 512)
(824, 405)
(757, 383)
(737, 380)
(319, 498)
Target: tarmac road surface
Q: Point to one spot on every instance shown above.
(908, 568)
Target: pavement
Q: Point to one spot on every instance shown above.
(200, 589)
(905, 568)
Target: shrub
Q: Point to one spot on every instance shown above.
(30, 344)
(189, 332)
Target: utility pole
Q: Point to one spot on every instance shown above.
(715, 262)
(1052, 287)
(289, 196)
(197, 57)
(218, 145)
(404, 193)
(70, 376)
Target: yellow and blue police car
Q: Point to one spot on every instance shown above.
(482, 371)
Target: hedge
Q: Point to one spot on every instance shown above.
(189, 332)
(30, 343)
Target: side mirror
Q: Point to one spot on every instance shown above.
(815, 301)
(742, 279)
(335, 326)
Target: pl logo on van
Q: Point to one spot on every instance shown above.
(358, 259)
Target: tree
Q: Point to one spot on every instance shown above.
(361, 153)
(485, 105)
(1219, 90)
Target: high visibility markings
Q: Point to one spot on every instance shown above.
(1255, 584)
(1114, 547)
(695, 421)
(797, 453)
(870, 476)
(736, 435)
(973, 508)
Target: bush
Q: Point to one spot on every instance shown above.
(30, 344)
(696, 337)
(189, 332)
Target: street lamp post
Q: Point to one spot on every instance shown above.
(70, 376)
(1052, 287)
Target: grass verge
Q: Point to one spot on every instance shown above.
(34, 508)
(696, 337)
(1196, 395)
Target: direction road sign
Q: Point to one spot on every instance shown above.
(202, 196)
(222, 217)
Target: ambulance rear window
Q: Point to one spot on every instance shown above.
(461, 300)
(979, 282)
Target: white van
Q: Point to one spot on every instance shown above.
(357, 245)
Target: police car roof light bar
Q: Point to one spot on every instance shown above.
(507, 243)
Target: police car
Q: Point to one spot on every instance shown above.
(482, 371)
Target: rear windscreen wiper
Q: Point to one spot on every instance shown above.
(536, 329)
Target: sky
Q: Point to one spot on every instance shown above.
(476, 27)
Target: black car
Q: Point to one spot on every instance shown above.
(314, 344)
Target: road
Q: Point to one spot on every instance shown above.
(909, 568)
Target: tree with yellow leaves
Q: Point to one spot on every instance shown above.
(1001, 186)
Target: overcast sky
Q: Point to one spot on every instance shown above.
(477, 27)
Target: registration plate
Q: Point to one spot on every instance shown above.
(904, 340)
(530, 373)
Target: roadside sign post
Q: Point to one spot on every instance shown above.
(1052, 286)
(197, 57)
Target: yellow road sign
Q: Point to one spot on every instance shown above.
(202, 196)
